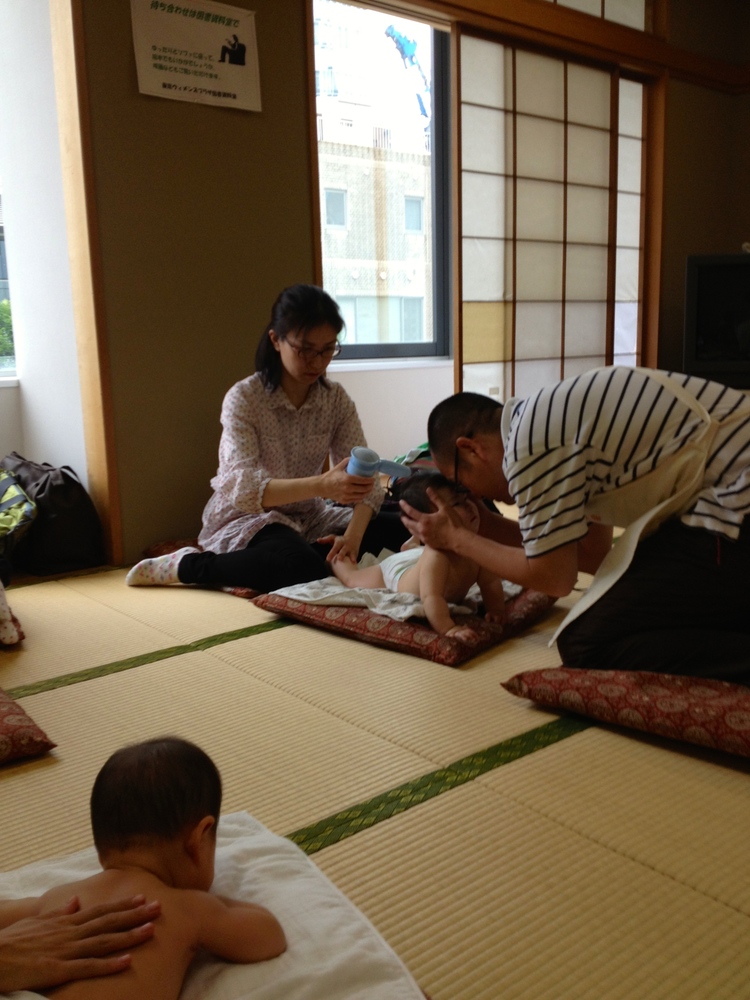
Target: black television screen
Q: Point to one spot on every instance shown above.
(717, 318)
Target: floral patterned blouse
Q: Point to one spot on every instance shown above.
(266, 437)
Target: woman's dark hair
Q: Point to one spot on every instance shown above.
(153, 791)
(414, 489)
(298, 308)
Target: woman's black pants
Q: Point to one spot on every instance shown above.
(278, 556)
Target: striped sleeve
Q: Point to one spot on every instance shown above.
(725, 500)
(584, 436)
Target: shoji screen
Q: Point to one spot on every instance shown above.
(633, 13)
(550, 217)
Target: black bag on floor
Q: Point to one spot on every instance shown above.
(67, 533)
(17, 513)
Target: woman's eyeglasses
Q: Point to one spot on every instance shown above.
(310, 354)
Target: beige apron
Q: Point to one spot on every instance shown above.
(643, 504)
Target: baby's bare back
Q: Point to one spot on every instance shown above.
(158, 967)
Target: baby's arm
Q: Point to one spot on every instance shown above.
(237, 931)
(433, 580)
(493, 596)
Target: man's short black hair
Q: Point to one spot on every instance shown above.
(414, 489)
(153, 791)
(461, 415)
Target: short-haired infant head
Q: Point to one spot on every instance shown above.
(153, 791)
(414, 491)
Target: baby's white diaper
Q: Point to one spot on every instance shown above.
(397, 564)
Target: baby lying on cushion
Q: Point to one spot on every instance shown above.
(436, 577)
(154, 810)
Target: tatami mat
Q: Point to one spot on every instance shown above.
(601, 867)
(434, 710)
(182, 613)
(681, 811)
(67, 631)
(286, 762)
(78, 623)
(486, 899)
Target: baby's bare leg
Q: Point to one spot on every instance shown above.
(369, 578)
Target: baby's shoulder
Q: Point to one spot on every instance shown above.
(93, 889)
(456, 561)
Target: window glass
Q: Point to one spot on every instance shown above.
(413, 214)
(7, 349)
(378, 142)
(335, 208)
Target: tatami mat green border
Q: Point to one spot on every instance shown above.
(362, 816)
(64, 680)
(396, 800)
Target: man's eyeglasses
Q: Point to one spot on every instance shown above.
(310, 354)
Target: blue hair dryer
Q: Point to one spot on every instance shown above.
(366, 462)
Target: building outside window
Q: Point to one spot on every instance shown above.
(413, 222)
(551, 213)
(384, 256)
(336, 208)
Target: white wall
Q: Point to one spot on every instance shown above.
(394, 399)
(47, 425)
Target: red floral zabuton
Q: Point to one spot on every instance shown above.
(412, 637)
(19, 735)
(705, 712)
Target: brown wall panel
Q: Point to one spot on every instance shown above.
(706, 200)
(204, 214)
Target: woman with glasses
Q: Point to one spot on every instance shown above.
(276, 517)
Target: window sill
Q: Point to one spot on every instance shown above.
(9, 382)
(388, 364)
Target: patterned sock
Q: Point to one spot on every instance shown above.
(161, 571)
(10, 629)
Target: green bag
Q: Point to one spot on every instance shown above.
(17, 512)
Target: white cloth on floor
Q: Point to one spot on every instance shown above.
(333, 953)
(397, 606)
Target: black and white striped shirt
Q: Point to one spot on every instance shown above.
(607, 427)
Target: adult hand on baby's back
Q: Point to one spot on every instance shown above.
(339, 486)
(71, 943)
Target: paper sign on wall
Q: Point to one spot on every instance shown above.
(197, 50)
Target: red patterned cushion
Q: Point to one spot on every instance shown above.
(706, 712)
(19, 735)
(411, 637)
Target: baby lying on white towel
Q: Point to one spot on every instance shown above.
(154, 810)
(333, 952)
